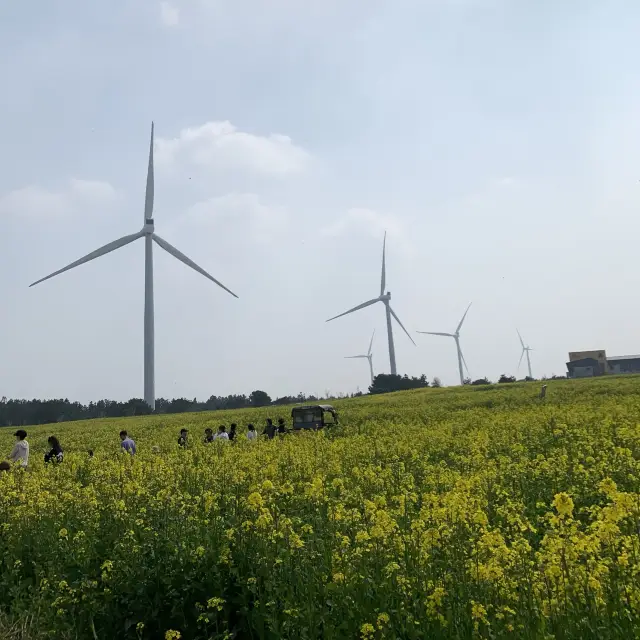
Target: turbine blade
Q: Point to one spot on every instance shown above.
(371, 343)
(436, 333)
(383, 279)
(351, 357)
(463, 317)
(393, 313)
(148, 196)
(190, 263)
(360, 306)
(464, 361)
(107, 248)
(521, 356)
(521, 340)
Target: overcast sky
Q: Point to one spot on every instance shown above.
(497, 142)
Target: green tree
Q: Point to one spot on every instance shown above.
(259, 399)
(387, 383)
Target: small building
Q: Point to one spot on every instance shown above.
(623, 364)
(586, 364)
(585, 368)
(597, 354)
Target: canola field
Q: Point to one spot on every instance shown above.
(481, 512)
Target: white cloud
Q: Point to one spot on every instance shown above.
(368, 220)
(169, 14)
(78, 196)
(217, 145)
(507, 181)
(244, 210)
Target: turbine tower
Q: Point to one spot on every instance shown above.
(456, 337)
(526, 350)
(384, 298)
(369, 356)
(147, 232)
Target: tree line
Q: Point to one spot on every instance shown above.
(23, 412)
(20, 412)
(15, 412)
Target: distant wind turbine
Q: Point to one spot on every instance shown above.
(526, 350)
(456, 337)
(384, 298)
(147, 232)
(369, 356)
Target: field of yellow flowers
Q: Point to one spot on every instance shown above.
(480, 512)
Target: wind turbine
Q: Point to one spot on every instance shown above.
(369, 356)
(384, 298)
(525, 350)
(456, 337)
(147, 232)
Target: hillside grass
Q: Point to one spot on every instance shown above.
(440, 513)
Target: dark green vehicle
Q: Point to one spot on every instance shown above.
(313, 416)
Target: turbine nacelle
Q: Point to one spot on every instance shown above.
(385, 297)
(148, 227)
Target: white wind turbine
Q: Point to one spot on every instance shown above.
(525, 349)
(147, 232)
(456, 337)
(369, 356)
(384, 298)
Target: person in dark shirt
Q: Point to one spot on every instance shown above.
(282, 427)
(183, 440)
(208, 435)
(55, 454)
(269, 429)
(232, 431)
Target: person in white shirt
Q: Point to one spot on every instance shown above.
(222, 433)
(20, 451)
(252, 434)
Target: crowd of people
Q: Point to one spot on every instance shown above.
(270, 431)
(20, 453)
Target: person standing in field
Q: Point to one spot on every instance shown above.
(232, 431)
(251, 432)
(208, 435)
(55, 454)
(20, 452)
(183, 440)
(222, 433)
(127, 443)
(269, 429)
(282, 427)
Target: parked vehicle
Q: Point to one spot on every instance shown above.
(313, 416)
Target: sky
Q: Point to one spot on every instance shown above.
(497, 142)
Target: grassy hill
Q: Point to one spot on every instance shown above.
(439, 513)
